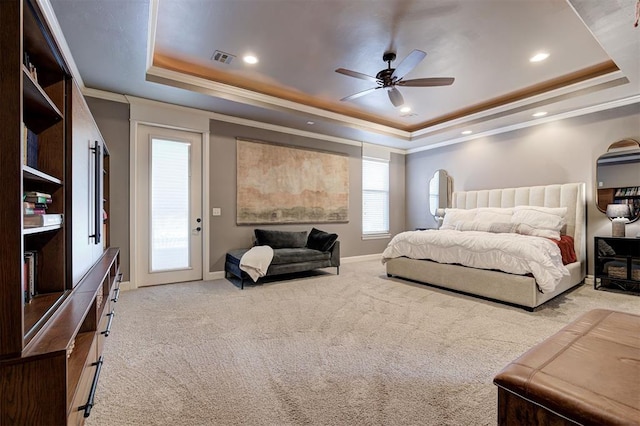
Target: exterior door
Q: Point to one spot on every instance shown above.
(168, 206)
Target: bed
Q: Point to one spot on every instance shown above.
(520, 289)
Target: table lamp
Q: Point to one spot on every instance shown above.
(618, 213)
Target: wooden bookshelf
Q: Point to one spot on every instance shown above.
(51, 320)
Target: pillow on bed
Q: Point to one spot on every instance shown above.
(451, 216)
(540, 217)
(493, 227)
(493, 214)
(525, 229)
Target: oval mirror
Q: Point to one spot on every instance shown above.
(439, 192)
(618, 177)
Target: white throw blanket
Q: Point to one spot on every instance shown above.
(513, 253)
(256, 261)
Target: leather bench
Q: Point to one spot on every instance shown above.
(587, 373)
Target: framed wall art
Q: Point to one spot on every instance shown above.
(283, 184)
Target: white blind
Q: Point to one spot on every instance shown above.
(375, 196)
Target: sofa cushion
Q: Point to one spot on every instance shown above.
(297, 255)
(320, 240)
(280, 239)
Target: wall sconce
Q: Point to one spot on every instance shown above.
(619, 214)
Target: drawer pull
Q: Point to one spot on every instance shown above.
(92, 394)
(116, 294)
(119, 277)
(108, 330)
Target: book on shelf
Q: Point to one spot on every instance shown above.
(36, 220)
(30, 205)
(32, 149)
(37, 200)
(30, 268)
(37, 194)
(28, 212)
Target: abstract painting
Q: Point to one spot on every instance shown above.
(284, 184)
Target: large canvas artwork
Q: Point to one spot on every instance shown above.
(281, 184)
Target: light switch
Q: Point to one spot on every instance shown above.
(216, 211)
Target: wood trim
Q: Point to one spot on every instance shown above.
(168, 62)
(178, 65)
(537, 89)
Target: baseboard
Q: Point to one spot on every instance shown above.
(363, 258)
(588, 280)
(126, 286)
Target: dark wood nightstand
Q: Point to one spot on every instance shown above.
(617, 263)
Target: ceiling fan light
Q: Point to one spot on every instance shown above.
(538, 57)
(404, 110)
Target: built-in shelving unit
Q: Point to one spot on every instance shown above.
(52, 324)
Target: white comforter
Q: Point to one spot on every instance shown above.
(513, 253)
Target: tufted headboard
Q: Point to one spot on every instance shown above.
(570, 195)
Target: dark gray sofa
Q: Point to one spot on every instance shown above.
(292, 252)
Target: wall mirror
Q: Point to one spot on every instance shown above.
(618, 177)
(440, 187)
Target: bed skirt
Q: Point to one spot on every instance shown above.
(520, 290)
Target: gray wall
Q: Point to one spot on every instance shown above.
(556, 152)
(225, 234)
(112, 119)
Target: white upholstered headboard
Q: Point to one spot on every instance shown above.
(569, 195)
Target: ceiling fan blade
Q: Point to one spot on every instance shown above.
(357, 95)
(408, 63)
(427, 82)
(356, 75)
(395, 97)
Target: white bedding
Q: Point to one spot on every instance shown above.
(513, 253)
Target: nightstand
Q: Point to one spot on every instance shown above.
(617, 263)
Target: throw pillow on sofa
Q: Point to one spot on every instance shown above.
(320, 240)
(280, 239)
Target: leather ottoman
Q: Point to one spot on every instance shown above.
(587, 373)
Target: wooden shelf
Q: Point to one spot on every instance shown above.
(35, 175)
(42, 111)
(40, 229)
(39, 310)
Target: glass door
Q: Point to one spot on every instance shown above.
(168, 206)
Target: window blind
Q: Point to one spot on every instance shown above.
(375, 196)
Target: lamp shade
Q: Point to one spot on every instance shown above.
(618, 211)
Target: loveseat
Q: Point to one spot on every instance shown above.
(293, 251)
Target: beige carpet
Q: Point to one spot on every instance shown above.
(353, 349)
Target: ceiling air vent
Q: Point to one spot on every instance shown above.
(224, 57)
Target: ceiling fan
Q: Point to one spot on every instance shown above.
(389, 78)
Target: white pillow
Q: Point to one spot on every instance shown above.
(525, 229)
(494, 227)
(558, 211)
(493, 214)
(540, 217)
(451, 216)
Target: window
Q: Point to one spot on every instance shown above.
(375, 197)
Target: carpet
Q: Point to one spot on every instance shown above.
(320, 349)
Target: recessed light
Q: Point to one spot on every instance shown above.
(405, 109)
(311, 123)
(467, 132)
(539, 57)
(250, 59)
(540, 114)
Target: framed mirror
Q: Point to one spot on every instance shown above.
(618, 177)
(439, 194)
